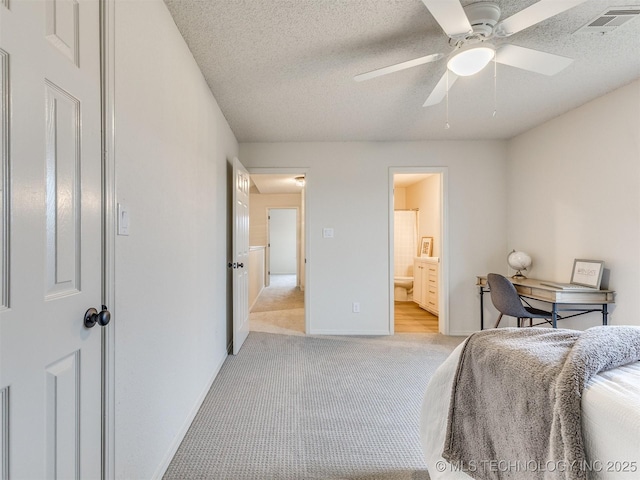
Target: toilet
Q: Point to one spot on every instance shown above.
(402, 288)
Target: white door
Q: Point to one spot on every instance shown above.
(283, 241)
(50, 363)
(240, 262)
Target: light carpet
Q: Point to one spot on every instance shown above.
(280, 295)
(294, 407)
(279, 308)
(283, 322)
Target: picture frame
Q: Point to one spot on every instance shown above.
(426, 246)
(587, 273)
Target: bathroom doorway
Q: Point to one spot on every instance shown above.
(417, 291)
(277, 244)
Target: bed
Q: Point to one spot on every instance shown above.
(610, 422)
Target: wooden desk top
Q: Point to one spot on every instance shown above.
(533, 288)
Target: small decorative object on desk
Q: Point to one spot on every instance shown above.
(587, 273)
(426, 247)
(519, 261)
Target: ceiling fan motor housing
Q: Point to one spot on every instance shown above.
(483, 17)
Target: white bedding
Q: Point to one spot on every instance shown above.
(610, 422)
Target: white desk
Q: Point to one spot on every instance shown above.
(560, 300)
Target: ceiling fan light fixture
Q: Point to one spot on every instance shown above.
(469, 61)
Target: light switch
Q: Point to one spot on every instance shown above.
(327, 232)
(123, 220)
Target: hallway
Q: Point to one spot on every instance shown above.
(279, 308)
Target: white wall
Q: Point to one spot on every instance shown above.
(348, 190)
(399, 198)
(574, 192)
(425, 196)
(172, 150)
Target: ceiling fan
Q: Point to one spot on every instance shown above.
(470, 30)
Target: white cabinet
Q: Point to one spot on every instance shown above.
(425, 283)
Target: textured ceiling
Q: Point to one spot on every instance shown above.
(282, 70)
(276, 183)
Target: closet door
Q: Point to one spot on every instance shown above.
(51, 268)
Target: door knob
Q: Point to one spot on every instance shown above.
(92, 316)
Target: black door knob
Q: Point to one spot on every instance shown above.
(92, 316)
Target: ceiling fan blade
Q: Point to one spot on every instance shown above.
(397, 67)
(532, 60)
(534, 14)
(441, 88)
(450, 15)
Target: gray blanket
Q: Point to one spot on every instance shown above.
(515, 406)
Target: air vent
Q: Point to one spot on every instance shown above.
(610, 19)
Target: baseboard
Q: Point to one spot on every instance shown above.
(461, 333)
(162, 469)
(256, 299)
(349, 332)
(457, 333)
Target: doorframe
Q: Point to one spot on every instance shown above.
(298, 242)
(107, 99)
(306, 244)
(443, 281)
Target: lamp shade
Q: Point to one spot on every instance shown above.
(470, 61)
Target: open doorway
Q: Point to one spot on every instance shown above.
(276, 237)
(282, 248)
(416, 248)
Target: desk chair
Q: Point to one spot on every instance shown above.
(507, 301)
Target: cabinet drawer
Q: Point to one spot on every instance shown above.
(432, 307)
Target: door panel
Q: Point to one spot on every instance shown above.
(62, 27)
(63, 417)
(240, 255)
(62, 191)
(50, 363)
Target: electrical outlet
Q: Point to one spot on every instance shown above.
(356, 307)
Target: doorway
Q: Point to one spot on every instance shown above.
(282, 226)
(417, 251)
(277, 263)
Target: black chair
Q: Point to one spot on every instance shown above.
(507, 301)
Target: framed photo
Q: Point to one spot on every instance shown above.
(426, 246)
(587, 273)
